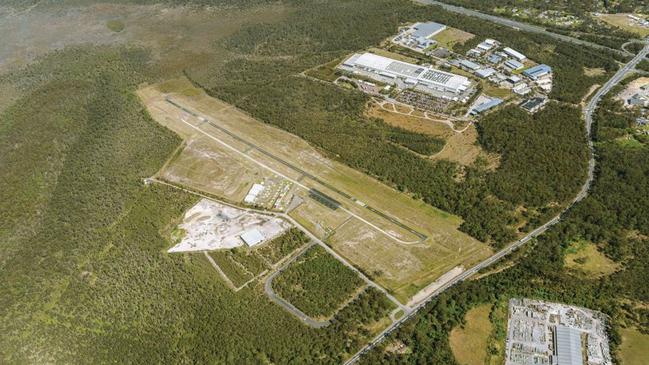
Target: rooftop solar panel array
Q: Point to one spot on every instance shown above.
(436, 76)
(405, 69)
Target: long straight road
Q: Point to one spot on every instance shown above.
(583, 192)
(518, 25)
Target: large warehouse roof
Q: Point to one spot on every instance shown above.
(427, 29)
(252, 237)
(409, 71)
(568, 346)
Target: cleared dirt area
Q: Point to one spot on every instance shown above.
(396, 230)
(218, 172)
(209, 226)
(632, 88)
(406, 269)
(469, 342)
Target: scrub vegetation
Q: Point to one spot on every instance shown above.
(86, 275)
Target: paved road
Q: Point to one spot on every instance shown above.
(313, 238)
(518, 25)
(588, 119)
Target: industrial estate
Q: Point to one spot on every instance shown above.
(291, 182)
(555, 334)
(451, 78)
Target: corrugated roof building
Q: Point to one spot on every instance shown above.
(567, 346)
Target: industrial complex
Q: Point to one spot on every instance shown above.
(424, 78)
(543, 333)
(418, 37)
(447, 81)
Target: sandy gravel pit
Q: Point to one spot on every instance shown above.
(209, 225)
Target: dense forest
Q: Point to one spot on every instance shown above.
(614, 217)
(317, 283)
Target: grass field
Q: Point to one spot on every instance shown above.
(451, 36)
(469, 342)
(623, 21)
(633, 350)
(444, 249)
(584, 258)
(317, 283)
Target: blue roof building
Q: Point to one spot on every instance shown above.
(537, 71)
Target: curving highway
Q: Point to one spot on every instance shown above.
(583, 192)
(518, 25)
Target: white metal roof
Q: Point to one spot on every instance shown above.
(568, 346)
(252, 237)
(422, 74)
(515, 54)
(252, 194)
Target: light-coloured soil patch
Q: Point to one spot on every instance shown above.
(464, 149)
(215, 171)
(406, 269)
(414, 123)
(209, 225)
(469, 342)
(584, 258)
(594, 72)
(632, 88)
(422, 294)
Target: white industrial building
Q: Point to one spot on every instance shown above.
(513, 53)
(255, 190)
(392, 71)
(252, 237)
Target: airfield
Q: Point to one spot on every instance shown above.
(402, 244)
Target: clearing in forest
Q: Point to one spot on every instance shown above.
(356, 214)
(633, 350)
(469, 342)
(625, 22)
(209, 225)
(583, 257)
